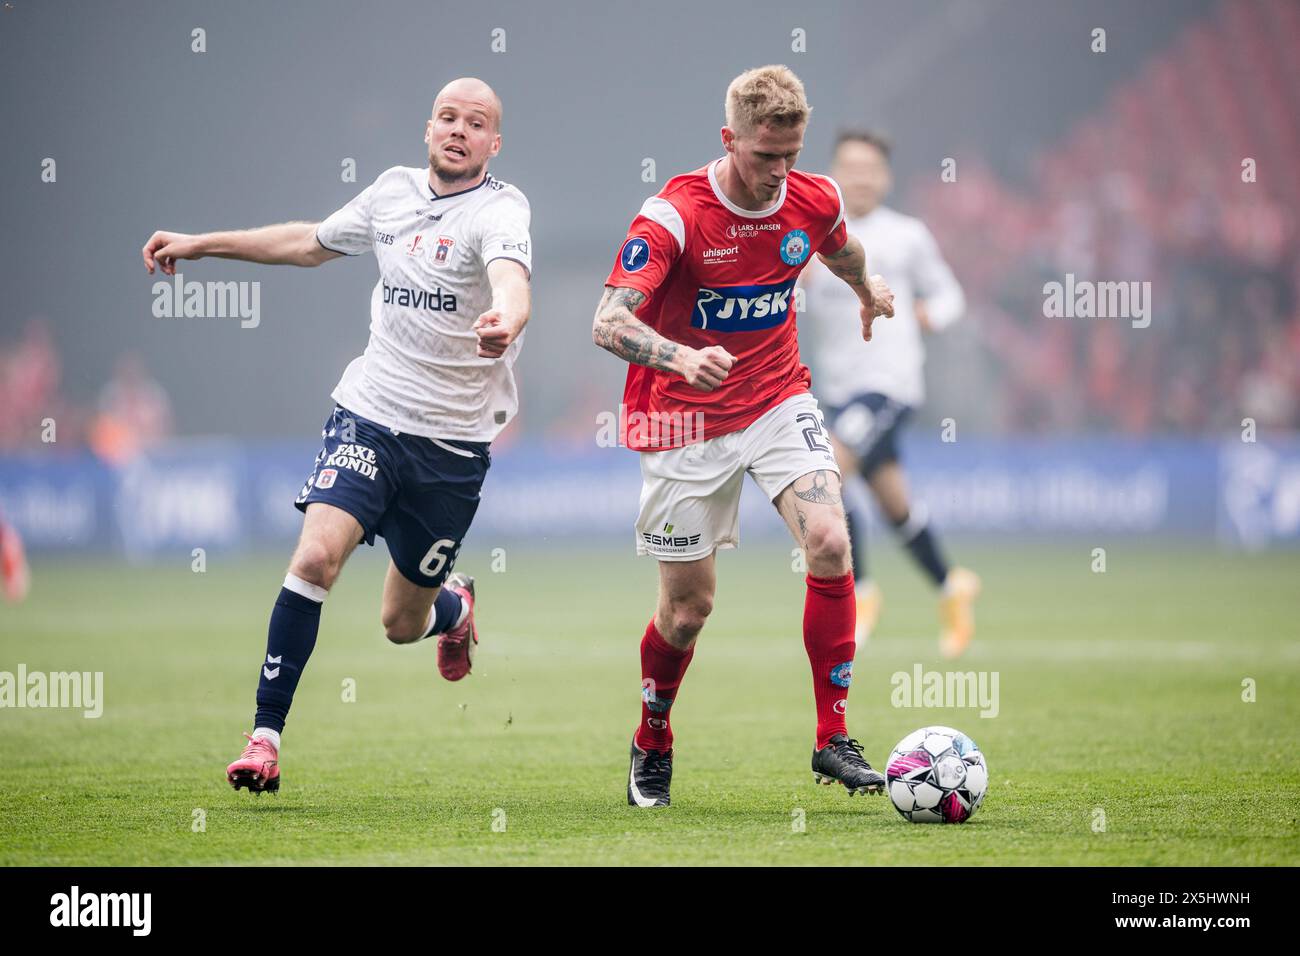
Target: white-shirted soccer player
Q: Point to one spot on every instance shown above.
(870, 388)
(406, 447)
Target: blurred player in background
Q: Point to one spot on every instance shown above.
(15, 577)
(700, 303)
(406, 447)
(871, 389)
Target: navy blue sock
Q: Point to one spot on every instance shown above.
(858, 543)
(446, 611)
(914, 530)
(292, 635)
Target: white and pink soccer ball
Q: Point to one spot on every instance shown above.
(937, 775)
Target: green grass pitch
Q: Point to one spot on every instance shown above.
(1121, 737)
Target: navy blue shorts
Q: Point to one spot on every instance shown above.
(419, 494)
(869, 426)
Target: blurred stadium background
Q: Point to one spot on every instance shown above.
(1072, 434)
(1123, 165)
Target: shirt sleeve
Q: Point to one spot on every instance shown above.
(935, 283)
(349, 230)
(839, 233)
(655, 239)
(506, 230)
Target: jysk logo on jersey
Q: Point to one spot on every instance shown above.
(742, 308)
(795, 246)
(635, 254)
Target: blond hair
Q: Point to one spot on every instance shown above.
(766, 94)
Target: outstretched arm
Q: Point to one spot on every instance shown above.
(511, 305)
(850, 265)
(289, 243)
(616, 329)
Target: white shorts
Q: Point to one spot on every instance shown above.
(690, 497)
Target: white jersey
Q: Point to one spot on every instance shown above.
(421, 373)
(901, 249)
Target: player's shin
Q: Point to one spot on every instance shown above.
(448, 611)
(828, 619)
(295, 621)
(662, 669)
(857, 524)
(916, 535)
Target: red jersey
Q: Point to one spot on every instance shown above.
(716, 274)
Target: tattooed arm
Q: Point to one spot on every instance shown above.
(617, 329)
(850, 264)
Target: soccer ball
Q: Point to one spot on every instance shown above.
(937, 775)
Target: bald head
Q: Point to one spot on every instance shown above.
(471, 94)
(463, 133)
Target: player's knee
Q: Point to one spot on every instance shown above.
(316, 564)
(403, 632)
(401, 627)
(828, 547)
(687, 616)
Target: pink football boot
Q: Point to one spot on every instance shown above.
(456, 647)
(258, 767)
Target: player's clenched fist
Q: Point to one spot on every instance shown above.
(495, 333)
(164, 248)
(881, 303)
(706, 369)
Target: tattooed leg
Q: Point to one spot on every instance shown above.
(813, 510)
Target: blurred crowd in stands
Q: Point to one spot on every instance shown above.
(132, 411)
(1186, 179)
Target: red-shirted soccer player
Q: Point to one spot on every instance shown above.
(701, 302)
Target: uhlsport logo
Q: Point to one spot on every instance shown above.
(717, 255)
(795, 246)
(742, 308)
(635, 254)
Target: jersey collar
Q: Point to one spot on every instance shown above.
(434, 197)
(747, 213)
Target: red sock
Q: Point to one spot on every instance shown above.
(828, 619)
(662, 667)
